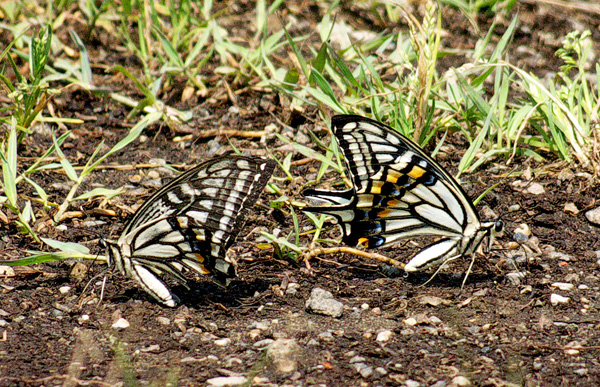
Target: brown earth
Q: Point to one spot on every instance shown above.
(496, 331)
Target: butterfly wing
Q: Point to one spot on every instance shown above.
(399, 191)
(191, 222)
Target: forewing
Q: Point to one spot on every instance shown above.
(192, 221)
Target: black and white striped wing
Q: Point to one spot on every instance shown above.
(190, 223)
(399, 192)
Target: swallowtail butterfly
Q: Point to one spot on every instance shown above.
(399, 192)
(190, 224)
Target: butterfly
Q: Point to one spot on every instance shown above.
(399, 192)
(189, 224)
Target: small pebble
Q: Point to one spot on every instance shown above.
(514, 207)
(357, 359)
(223, 342)
(64, 289)
(384, 335)
(572, 208)
(226, 381)
(412, 383)
(381, 371)
(364, 370)
(563, 286)
(151, 348)
(535, 189)
(163, 320)
(435, 320)
(515, 277)
(556, 299)
(559, 255)
(460, 381)
(411, 321)
(523, 229)
(593, 216)
(322, 302)
(121, 324)
(326, 336)
(83, 319)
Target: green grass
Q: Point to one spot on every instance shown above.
(501, 110)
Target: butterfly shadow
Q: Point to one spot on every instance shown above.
(440, 280)
(207, 292)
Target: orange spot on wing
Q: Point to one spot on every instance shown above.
(383, 213)
(364, 242)
(393, 202)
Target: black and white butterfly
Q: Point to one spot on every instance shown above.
(400, 192)
(190, 224)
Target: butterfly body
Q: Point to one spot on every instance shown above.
(398, 193)
(189, 224)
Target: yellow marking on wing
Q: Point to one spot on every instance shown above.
(416, 172)
(393, 176)
(376, 187)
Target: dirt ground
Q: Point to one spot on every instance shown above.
(499, 330)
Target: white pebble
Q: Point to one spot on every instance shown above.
(411, 321)
(435, 320)
(593, 215)
(64, 289)
(536, 189)
(460, 381)
(412, 383)
(121, 324)
(556, 299)
(223, 342)
(7, 271)
(583, 287)
(364, 306)
(384, 335)
(226, 381)
(515, 277)
(563, 286)
(163, 320)
(572, 208)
